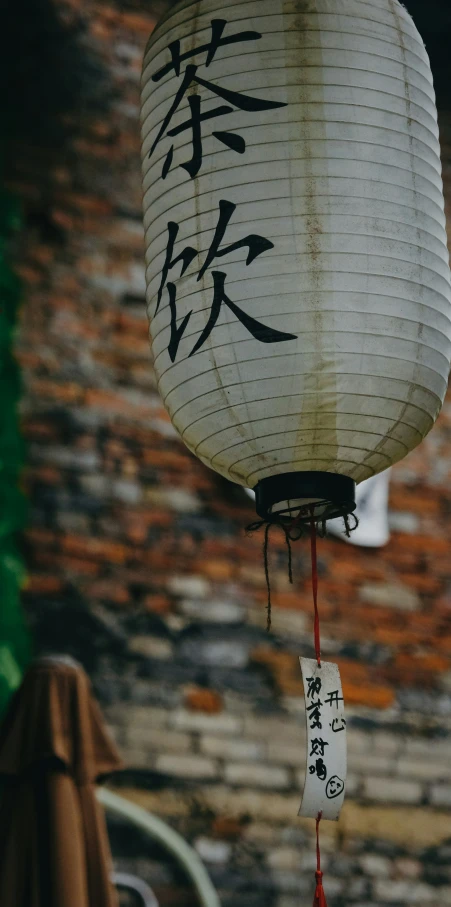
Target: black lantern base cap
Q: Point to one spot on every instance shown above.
(299, 495)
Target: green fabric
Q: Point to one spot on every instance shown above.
(14, 639)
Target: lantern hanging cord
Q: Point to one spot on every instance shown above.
(294, 529)
(315, 585)
(292, 532)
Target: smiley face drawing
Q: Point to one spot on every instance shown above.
(334, 787)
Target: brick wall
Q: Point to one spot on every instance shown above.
(140, 566)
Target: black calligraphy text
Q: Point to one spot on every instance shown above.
(318, 746)
(234, 100)
(333, 698)
(256, 245)
(314, 716)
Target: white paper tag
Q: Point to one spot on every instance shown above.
(325, 775)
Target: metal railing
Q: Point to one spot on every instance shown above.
(132, 883)
(159, 831)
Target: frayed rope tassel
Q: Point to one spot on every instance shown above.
(320, 898)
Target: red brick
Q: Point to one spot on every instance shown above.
(168, 458)
(423, 543)
(108, 590)
(218, 571)
(138, 22)
(95, 548)
(424, 583)
(113, 403)
(198, 699)
(158, 604)
(43, 584)
(74, 565)
(227, 829)
(89, 203)
(284, 666)
(430, 663)
(413, 502)
(48, 475)
(393, 636)
(39, 431)
(374, 696)
(41, 537)
(66, 393)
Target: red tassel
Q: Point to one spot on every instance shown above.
(320, 898)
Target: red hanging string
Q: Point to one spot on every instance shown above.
(315, 583)
(320, 898)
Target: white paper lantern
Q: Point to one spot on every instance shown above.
(297, 268)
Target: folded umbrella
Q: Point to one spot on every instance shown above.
(54, 849)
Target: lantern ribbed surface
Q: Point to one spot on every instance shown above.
(297, 268)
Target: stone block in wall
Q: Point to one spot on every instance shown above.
(264, 806)
(274, 728)
(440, 795)
(390, 790)
(236, 750)
(374, 763)
(407, 867)
(289, 859)
(288, 753)
(140, 717)
(390, 596)
(126, 491)
(153, 739)
(184, 720)
(424, 770)
(213, 851)
(405, 892)
(190, 586)
(151, 647)
(185, 766)
(408, 827)
(285, 622)
(219, 652)
(180, 500)
(380, 742)
(373, 864)
(422, 748)
(271, 776)
(403, 521)
(201, 699)
(216, 612)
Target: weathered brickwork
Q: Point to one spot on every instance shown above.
(141, 568)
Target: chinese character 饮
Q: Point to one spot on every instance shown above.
(255, 245)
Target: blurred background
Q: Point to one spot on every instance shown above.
(119, 548)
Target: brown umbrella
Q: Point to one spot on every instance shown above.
(54, 849)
